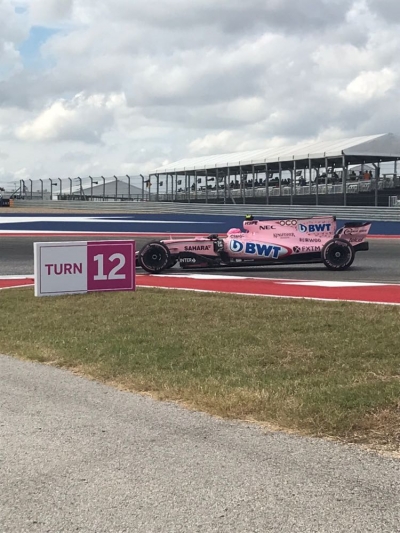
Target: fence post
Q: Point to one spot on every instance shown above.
(129, 187)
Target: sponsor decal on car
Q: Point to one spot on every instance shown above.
(314, 228)
(309, 239)
(251, 222)
(253, 248)
(284, 235)
(306, 249)
(357, 231)
(198, 248)
(288, 222)
(267, 227)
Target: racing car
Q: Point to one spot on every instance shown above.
(261, 243)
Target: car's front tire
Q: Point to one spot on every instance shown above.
(338, 254)
(154, 257)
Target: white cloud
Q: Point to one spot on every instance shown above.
(83, 118)
(370, 85)
(44, 12)
(123, 86)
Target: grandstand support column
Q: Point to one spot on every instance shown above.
(292, 179)
(59, 179)
(157, 187)
(51, 188)
(187, 183)
(225, 188)
(229, 181)
(32, 187)
(176, 187)
(104, 187)
(240, 183)
(166, 186)
(266, 184)
(217, 183)
(280, 178)
(254, 190)
(316, 184)
(41, 188)
(243, 183)
(129, 187)
(70, 187)
(344, 180)
(206, 176)
(195, 184)
(377, 173)
(310, 175)
(395, 168)
(326, 175)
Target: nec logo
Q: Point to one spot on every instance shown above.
(314, 228)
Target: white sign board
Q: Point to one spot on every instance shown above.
(79, 267)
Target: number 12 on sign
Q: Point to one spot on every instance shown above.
(119, 258)
(111, 265)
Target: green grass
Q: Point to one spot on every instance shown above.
(317, 368)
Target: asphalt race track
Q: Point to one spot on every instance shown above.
(380, 264)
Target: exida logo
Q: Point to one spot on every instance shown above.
(314, 228)
(252, 248)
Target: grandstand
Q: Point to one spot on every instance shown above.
(355, 171)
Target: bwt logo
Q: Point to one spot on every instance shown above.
(251, 248)
(314, 228)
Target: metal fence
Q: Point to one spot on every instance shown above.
(139, 189)
(90, 188)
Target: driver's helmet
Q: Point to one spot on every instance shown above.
(234, 231)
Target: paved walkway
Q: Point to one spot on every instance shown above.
(79, 456)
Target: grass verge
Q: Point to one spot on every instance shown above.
(317, 368)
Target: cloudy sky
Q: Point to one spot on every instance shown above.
(120, 87)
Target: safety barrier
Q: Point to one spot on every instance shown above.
(347, 213)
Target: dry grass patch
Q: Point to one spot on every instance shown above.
(317, 368)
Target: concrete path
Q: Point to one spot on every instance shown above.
(77, 456)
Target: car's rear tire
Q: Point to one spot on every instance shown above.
(338, 254)
(154, 257)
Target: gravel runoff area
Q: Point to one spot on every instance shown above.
(77, 455)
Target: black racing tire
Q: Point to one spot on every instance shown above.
(154, 257)
(338, 254)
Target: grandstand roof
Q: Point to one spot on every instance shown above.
(372, 148)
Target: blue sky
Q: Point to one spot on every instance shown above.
(104, 87)
(30, 49)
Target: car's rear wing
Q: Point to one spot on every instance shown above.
(354, 232)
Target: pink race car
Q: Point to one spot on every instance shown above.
(262, 242)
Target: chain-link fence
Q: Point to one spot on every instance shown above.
(91, 188)
(375, 191)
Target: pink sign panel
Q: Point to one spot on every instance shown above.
(111, 266)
